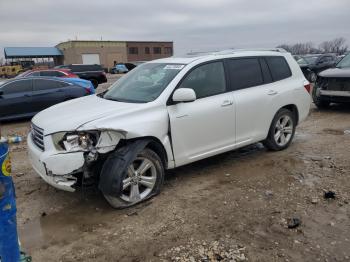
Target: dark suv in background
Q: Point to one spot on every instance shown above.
(333, 85)
(311, 65)
(94, 73)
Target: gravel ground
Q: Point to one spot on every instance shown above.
(245, 205)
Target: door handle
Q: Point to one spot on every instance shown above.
(272, 92)
(27, 95)
(227, 103)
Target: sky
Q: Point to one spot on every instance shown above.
(193, 25)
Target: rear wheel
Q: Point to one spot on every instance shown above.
(142, 180)
(281, 131)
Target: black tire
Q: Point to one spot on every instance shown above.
(94, 82)
(320, 102)
(271, 142)
(120, 202)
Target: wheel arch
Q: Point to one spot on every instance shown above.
(294, 109)
(154, 144)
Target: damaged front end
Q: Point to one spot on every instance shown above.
(70, 159)
(333, 87)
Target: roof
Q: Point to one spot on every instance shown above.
(189, 58)
(31, 52)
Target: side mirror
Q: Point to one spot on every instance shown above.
(184, 95)
(1, 92)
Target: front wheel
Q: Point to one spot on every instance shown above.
(281, 131)
(142, 179)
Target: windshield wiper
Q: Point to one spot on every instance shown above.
(124, 100)
(112, 99)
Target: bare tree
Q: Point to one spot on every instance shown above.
(299, 48)
(337, 45)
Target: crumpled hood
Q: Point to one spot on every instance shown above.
(70, 115)
(336, 72)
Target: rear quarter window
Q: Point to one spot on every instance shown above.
(279, 67)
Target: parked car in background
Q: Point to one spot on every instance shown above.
(93, 73)
(167, 113)
(311, 65)
(333, 85)
(122, 68)
(24, 97)
(66, 73)
(86, 84)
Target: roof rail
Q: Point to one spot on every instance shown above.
(200, 53)
(233, 50)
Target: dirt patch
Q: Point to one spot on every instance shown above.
(333, 131)
(234, 206)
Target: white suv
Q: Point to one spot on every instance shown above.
(168, 113)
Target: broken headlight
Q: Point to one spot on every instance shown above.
(77, 141)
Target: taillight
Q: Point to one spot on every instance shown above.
(307, 86)
(87, 90)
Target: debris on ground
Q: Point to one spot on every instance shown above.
(225, 249)
(329, 195)
(268, 193)
(293, 222)
(314, 200)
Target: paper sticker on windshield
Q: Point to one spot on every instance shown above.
(174, 67)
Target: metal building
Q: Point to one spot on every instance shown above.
(28, 53)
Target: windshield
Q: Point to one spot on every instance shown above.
(345, 62)
(302, 61)
(310, 59)
(144, 83)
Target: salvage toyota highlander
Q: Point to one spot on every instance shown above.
(167, 113)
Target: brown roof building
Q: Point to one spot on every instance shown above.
(108, 53)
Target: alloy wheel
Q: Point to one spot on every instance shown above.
(283, 130)
(140, 180)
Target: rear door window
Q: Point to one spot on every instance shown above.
(19, 86)
(206, 80)
(265, 71)
(244, 73)
(279, 67)
(45, 84)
